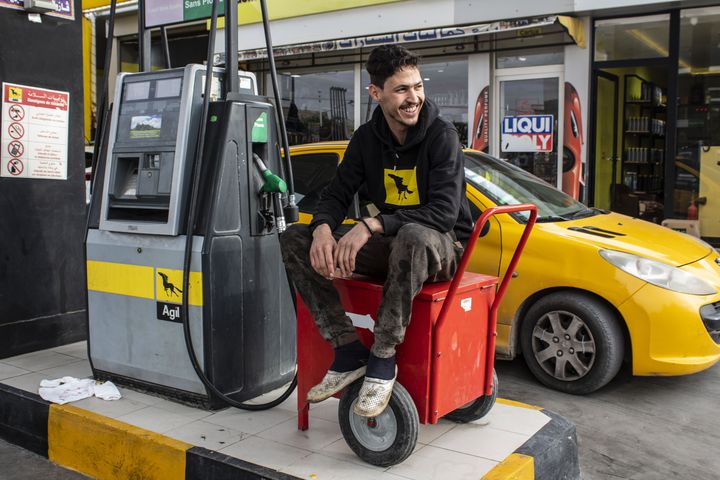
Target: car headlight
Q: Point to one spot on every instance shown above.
(658, 273)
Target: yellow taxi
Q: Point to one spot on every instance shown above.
(593, 288)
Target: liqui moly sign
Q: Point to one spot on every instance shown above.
(527, 133)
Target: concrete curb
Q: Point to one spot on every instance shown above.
(105, 448)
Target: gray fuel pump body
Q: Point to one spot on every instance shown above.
(241, 312)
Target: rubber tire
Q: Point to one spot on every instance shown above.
(476, 410)
(407, 419)
(604, 327)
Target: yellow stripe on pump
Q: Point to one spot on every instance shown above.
(162, 284)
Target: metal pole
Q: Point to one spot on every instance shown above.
(101, 108)
(166, 46)
(232, 84)
(144, 40)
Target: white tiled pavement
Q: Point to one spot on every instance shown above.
(271, 438)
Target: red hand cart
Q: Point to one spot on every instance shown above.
(445, 364)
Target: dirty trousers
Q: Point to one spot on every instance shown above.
(415, 255)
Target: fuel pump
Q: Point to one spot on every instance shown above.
(187, 292)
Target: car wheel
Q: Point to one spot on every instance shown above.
(476, 409)
(572, 342)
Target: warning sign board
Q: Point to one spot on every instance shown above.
(35, 132)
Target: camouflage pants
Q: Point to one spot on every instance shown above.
(415, 255)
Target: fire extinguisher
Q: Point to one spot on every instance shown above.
(692, 211)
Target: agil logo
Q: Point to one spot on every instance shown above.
(171, 312)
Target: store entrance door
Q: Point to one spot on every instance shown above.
(528, 132)
(605, 139)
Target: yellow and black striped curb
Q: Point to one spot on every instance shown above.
(105, 448)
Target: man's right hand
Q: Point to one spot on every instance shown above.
(322, 251)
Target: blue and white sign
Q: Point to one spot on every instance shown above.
(527, 133)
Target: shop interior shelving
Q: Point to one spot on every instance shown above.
(643, 145)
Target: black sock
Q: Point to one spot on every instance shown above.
(382, 368)
(350, 357)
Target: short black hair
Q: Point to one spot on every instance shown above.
(385, 60)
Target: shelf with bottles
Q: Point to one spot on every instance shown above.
(639, 91)
(644, 156)
(645, 125)
(642, 183)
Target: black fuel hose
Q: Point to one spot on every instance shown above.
(192, 213)
(100, 126)
(292, 212)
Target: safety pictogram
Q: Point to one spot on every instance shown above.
(15, 94)
(15, 166)
(15, 130)
(16, 113)
(16, 149)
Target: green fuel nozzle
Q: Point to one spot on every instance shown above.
(272, 183)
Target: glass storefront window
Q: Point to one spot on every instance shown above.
(697, 172)
(529, 97)
(185, 47)
(445, 84)
(318, 106)
(632, 38)
(530, 57)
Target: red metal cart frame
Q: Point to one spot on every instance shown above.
(448, 355)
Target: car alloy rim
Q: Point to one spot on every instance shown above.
(376, 434)
(563, 345)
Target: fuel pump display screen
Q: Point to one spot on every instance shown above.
(150, 112)
(145, 126)
(137, 91)
(168, 88)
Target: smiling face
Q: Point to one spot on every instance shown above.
(401, 98)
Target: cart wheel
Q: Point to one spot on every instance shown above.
(476, 409)
(387, 439)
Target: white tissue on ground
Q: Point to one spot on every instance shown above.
(70, 389)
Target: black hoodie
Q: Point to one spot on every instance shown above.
(422, 181)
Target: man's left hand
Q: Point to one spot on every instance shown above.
(348, 247)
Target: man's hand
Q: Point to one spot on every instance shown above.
(348, 247)
(322, 251)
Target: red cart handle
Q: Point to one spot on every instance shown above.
(457, 278)
(492, 317)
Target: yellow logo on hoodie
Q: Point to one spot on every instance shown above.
(401, 187)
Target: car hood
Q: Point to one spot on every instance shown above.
(620, 232)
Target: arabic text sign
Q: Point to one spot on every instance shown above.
(63, 8)
(527, 133)
(34, 133)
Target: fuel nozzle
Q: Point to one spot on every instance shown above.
(271, 192)
(272, 183)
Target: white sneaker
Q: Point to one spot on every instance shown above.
(374, 396)
(332, 383)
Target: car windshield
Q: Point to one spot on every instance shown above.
(506, 184)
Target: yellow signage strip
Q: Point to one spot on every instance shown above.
(90, 4)
(249, 10)
(161, 284)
